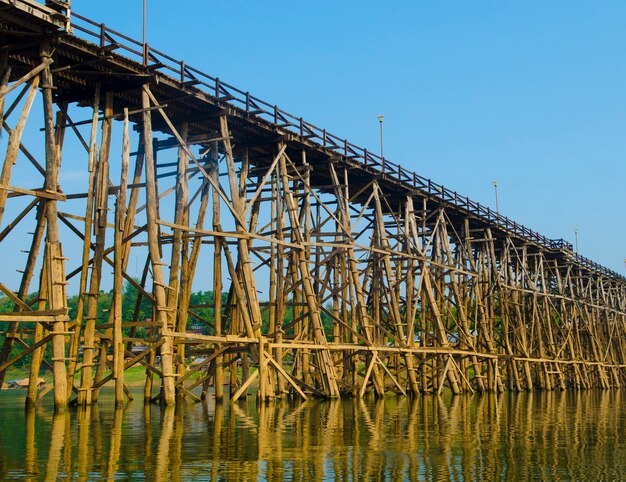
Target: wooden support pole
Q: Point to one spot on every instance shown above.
(352, 277)
(56, 276)
(82, 295)
(13, 147)
(178, 318)
(217, 276)
(118, 280)
(39, 340)
(325, 363)
(99, 203)
(169, 393)
(29, 270)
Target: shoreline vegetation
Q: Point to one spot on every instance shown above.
(133, 377)
(202, 321)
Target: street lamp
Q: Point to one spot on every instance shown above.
(380, 120)
(495, 187)
(144, 22)
(576, 239)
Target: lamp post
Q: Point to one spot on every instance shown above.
(380, 120)
(495, 188)
(576, 239)
(144, 22)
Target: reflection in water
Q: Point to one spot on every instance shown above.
(163, 450)
(57, 439)
(549, 435)
(82, 458)
(30, 448)
(116, 440)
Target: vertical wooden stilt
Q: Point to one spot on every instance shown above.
(169, 394)
(86, 395)
(177, 318)
(118, 288)
(217, 277)
(56, 276)
(37, 357)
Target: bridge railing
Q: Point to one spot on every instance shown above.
(154, 60)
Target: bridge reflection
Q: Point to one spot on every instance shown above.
(550, 435)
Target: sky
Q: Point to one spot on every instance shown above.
(531, 94)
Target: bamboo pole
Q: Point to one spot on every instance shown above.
(325, 361)
(56, 277)
(13, 146)
(169, 394)
(118, 287)
(100, 206)
(91, 166)
(217, 277)
(178, 317)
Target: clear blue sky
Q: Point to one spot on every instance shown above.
(531, 93)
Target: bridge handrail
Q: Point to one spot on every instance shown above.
(153, 60)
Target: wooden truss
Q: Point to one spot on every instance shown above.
(325, 281)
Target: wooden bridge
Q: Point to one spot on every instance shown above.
(334, 272)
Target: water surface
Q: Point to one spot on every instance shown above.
(559, 436)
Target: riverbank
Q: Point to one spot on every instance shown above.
(133, 377)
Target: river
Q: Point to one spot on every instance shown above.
(569, 435)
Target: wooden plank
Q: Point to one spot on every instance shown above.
(26, 77)
(43, 194)
(48, 316)
(280, 369)
(227, 234)
(244, 386)
(39, 343)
